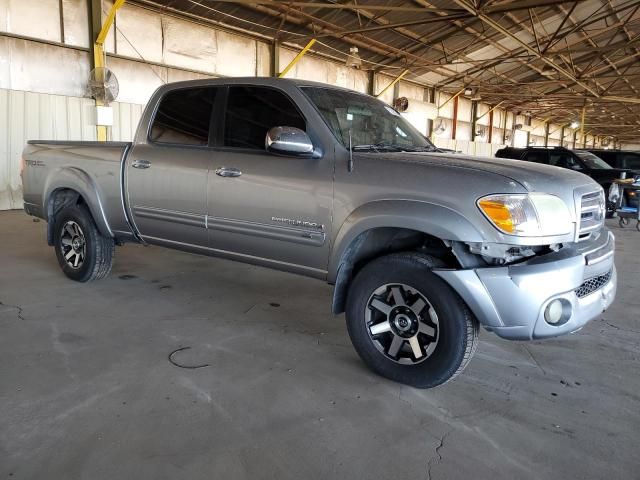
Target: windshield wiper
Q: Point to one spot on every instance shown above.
(426, 148)
(375, 148)
(390, 147)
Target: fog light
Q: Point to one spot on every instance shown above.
(558, 311)
(553, 313)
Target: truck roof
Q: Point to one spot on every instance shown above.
(262, 81)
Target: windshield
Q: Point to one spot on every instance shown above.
(593, 161)
(373, 125)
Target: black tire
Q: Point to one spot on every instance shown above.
(96, 253)
(457, 328)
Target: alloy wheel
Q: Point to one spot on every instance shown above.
(402, 324)
(73, 244)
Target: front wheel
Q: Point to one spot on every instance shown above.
(407, 324)
(84, 254)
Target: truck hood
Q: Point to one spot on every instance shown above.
(534, 177)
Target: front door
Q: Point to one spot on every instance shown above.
(268, 208)
(167, 174)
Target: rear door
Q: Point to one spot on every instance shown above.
(167, 174)
(264, 207)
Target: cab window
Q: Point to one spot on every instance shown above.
(184, 117)
(252, 111)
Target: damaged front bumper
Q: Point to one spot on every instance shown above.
(511, 301)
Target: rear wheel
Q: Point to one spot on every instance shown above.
(84, 254)
(407, 324)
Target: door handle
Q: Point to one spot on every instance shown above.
(228, 172)
(141, 164)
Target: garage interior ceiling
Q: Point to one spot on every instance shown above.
(546, 58)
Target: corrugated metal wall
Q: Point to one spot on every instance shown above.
(28, 116)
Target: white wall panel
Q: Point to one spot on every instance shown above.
(139, 34)
(31, 18)
(125, 121)
(263, 68)
(520, 138)
(464, 109)
(496, 136)
(381, 82)
(37, 67)
(37, 116)
(176, 75)
(482, 115)
(410, 90)
(236, 55)
(445, 111)
(463, 131)
(189, 45)
(137, 80)
(110, 42)
(308, 68)
(76, 22)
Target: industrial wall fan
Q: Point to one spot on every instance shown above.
(103, 85)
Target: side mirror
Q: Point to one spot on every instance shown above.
(288, 141)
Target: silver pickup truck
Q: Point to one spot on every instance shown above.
(421, 246)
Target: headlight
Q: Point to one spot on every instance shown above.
(527, 215)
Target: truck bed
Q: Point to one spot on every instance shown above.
(94, 169)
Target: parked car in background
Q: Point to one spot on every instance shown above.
(622, 159)
(581, 161)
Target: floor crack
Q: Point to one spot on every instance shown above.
(17, 307)
(437, 458)
(534, 360)
(615, 327)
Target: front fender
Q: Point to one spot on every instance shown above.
(430, 218)
(72, 178)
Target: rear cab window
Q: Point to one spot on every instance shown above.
(184, 117)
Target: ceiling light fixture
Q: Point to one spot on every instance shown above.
(353, 59)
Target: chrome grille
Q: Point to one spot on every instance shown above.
(593, 284)
(591, 214)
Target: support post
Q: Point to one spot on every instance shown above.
(546, 134)
(575, 134)
(97, 42)
(503, 140)
(562, 136)
(297, 58)
(490, 137)
(371, 87)
(454, 125)
(584, 111)
(275, 58)
(430, 97)
(474, 118)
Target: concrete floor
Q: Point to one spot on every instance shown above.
(87, 391)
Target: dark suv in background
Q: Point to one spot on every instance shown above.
(619, 158)
(580, 160)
